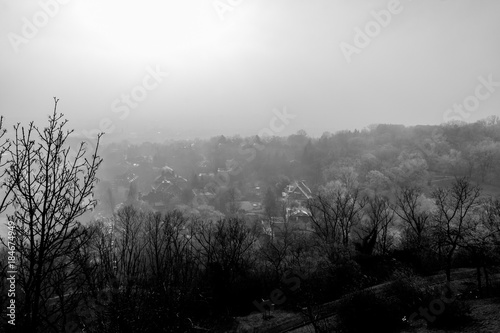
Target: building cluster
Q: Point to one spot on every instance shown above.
(168, 187)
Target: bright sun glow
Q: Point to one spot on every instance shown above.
(172, 30)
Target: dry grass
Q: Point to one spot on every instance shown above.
(486, 316)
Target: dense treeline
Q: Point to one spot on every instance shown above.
(379, 158)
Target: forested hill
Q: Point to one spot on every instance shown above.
(379, 158)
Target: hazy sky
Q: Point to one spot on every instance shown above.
(230, 63)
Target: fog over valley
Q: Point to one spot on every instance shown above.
(249, 166)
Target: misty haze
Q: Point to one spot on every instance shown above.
(250, 166)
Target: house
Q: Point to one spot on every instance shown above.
(299, 215)
(203, 197)
(206, 177)
(157, 199)
(167, 178)
(297, 192)
(166, 186)
(232, 166)
(295, 197)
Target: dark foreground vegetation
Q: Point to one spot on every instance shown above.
(328, 217)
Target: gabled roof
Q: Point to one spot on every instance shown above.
(298, 187)
(168, 175)
(166, 186)
(167, 169)
(298, 212)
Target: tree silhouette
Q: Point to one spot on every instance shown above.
(50, 187)
(453, 217)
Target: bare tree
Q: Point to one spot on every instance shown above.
(145, 267)
(348, 209)
(225, 250)
(334, 214)
(102, 253)
(453, 217)
(375, 229)
(324, 220)
(278, 249)
(482, 239)
(129, 247)
(417, 218)
(5, 186)
(50, 188)
(228, 242)
(168, 250)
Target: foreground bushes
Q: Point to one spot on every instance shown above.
(366, 312)
(401, 304)
(382, 310)
(456, 314)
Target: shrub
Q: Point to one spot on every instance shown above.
(365, 312)
(406, 293)
(340, 279)
(455, 315)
